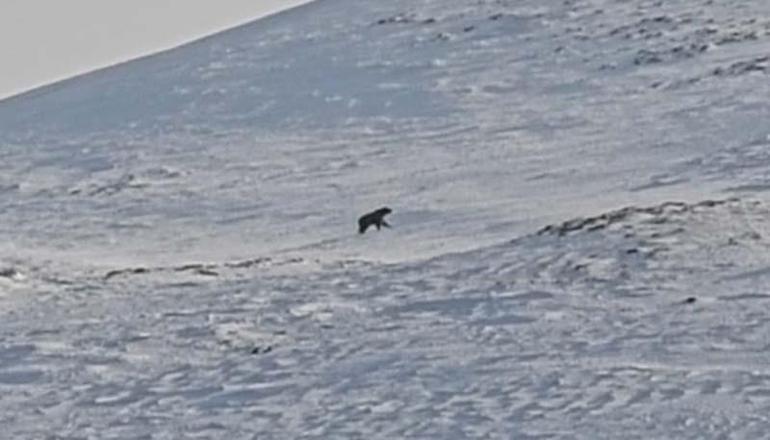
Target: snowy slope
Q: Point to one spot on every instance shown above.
(179, 253)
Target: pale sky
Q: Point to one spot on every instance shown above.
(42, 41)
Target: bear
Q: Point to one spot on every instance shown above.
(375, 218)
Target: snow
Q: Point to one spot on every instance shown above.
(180, 256)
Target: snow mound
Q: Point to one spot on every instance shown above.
(649, 319)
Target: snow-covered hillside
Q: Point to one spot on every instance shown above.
(180, 259)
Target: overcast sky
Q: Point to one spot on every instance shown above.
(42, 41)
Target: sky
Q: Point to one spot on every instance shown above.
(42, 41)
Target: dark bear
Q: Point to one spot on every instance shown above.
(375, 218)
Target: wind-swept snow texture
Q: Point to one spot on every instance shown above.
(179, 255)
